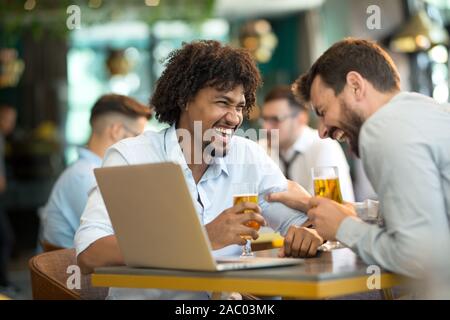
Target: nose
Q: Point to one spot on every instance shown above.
(233, 118)
(267, 125)
(323, 130)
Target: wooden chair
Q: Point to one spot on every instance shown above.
(47, 246)
(49, 277)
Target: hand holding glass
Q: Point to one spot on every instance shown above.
(326, 184)
(246, 192)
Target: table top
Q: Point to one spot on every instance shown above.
(330, 274)
(3, 297)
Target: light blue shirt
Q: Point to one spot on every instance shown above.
(246, 161)
(61, 216)
(405, 148)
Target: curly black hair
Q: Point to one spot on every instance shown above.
(200, 64)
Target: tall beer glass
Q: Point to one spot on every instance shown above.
(326, 184)
(246, 192)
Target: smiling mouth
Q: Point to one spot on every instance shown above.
(340, 136)
(226, 132)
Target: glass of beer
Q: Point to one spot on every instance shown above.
(326, 184)
(246, 192)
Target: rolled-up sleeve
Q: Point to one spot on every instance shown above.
(95, 222)
(278, 216)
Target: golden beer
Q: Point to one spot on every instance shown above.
(328, 188)
(247, 198)
(326, 184)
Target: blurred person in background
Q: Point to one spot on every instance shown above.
(7, 124)
(300, 147)
(403, 141)
(113, 118)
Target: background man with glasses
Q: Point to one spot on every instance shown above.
(113, 118)
(300, 147)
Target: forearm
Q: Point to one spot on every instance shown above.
(212, 238)
(392, 250)
(101, 253)
(280, 218)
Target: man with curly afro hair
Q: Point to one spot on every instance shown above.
(204, 94)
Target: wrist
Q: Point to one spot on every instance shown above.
(303, 205)
(209, 231)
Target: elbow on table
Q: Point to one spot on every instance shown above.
(85, 262)
(410, 262)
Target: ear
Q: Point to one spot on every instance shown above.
(186, 107)
(115, 131)
(356, 85)
(303, 118)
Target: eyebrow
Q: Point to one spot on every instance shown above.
(316, 108)
(230, 100)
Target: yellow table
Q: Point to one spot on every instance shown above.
(331, 274)
(3, 297)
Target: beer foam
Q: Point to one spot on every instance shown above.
(245, 195)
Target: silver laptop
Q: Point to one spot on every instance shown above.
(156, 224)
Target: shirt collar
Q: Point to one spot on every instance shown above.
(219, 166)
(84, 153)
(175, 154)
(400, 95)
(172, 148)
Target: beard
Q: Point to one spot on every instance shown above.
(214, 149)
(351, 125)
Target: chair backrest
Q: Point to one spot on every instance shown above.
(47, 246)
(49, 278)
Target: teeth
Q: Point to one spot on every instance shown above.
(224, 131)
(340, 136)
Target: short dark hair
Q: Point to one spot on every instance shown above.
(201, 64)
(285, 92)
(363, 56)
(117, 103)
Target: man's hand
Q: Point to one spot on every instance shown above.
(295, 197)
(327, 215)
(229, 226)
(300, 242)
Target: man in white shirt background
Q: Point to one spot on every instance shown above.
(300, 147)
